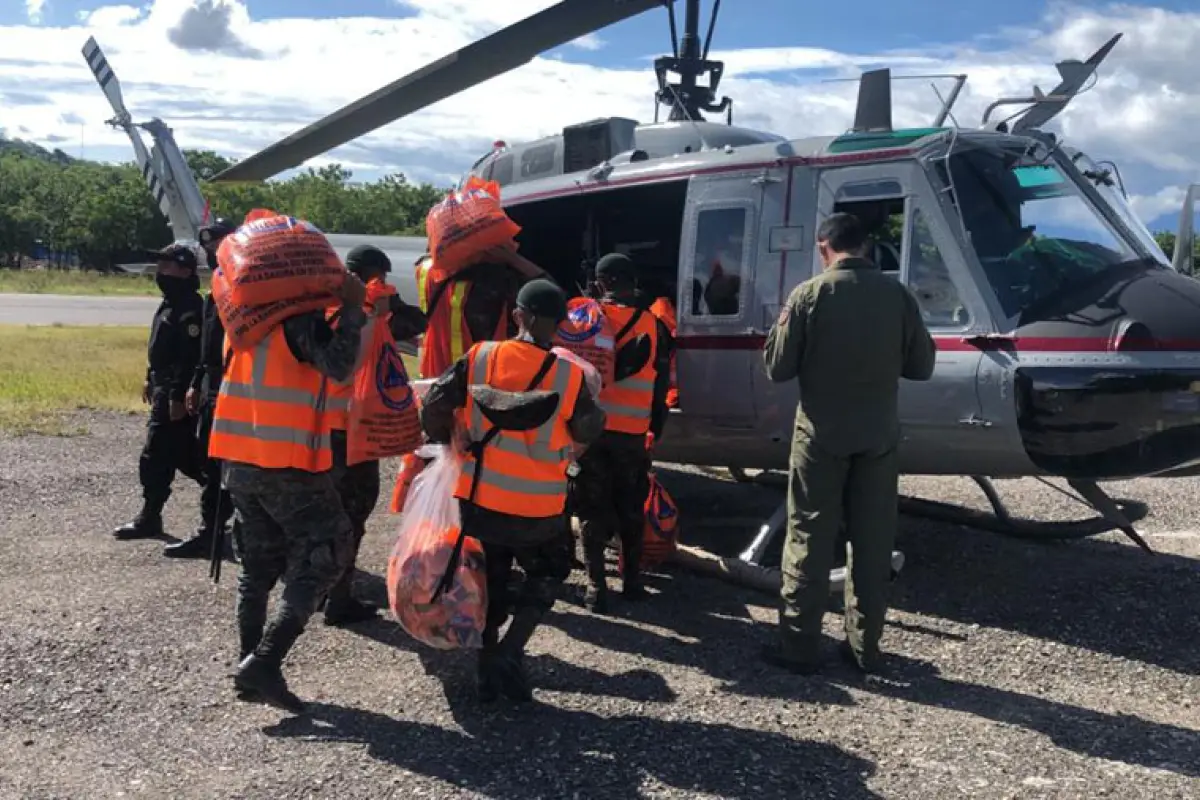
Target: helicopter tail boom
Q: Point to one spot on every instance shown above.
(164, 167)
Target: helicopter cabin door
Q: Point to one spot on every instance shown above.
(941, 419)
(717, 349)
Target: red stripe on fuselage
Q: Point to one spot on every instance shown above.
(1033, 344)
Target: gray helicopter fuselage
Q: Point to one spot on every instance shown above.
(1014, 392)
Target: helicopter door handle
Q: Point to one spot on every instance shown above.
(765, 179)
(975, 421)
(986, 341)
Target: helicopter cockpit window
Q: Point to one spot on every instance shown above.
(1034, 231)
(880, 207)
(717, 271)
(930, 281)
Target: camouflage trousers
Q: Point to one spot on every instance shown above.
(609, 498)
(358, 488)
(825, 491)
(291, 527)
(542, 548)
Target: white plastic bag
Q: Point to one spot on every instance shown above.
(591, 375)
(429, 535)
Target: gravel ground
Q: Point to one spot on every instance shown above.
(1018, 669)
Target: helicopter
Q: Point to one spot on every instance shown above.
(1079, 360)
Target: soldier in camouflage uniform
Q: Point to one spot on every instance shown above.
(358, 485)
(541, 546)
(848, 336)
(291, 523)
(608, 494)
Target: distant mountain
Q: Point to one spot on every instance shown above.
(32, 150)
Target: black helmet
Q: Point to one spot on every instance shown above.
(212, 234)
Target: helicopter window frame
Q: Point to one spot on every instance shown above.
(686, 288)
(887, 188)
(893, 189)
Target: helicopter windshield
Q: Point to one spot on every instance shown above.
(1035, 232)
(1106, 184)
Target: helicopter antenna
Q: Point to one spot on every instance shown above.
(948, 103)
(874, 112)
(688, 99)
(945, 112)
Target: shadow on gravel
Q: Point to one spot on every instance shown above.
(1097, 595)
(714, 636)
(1092, 594)
(542, 751)
(1120, 738)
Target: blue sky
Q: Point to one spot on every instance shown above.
(318, 55)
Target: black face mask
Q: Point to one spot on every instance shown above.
(172, 286)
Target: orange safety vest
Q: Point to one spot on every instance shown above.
(272, 410)
(338, 407)
(664, 309)
(523, 473)
(627, 403)
(447, 335)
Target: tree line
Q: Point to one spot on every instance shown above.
(103, 213)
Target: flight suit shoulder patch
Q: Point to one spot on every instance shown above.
(193, 330)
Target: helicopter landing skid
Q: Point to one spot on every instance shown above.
(775, 527)
(1112, 515)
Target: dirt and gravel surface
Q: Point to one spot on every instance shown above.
(1018, 670)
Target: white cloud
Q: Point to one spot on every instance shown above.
(34, 9)
(259, 81)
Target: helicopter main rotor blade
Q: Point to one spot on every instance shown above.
(493, 55)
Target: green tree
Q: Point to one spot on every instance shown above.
(103, 212)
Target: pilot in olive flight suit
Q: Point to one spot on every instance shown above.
(848, 335)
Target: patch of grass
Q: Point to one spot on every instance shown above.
(48, 372)
(71, 282)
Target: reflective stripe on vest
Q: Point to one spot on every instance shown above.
(524, 473)
(627, 403)
(447, 335)
(271, 410)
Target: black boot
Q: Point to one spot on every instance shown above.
(341, 608)
(631, 572)
(146, 525)
(596, 598)
(485, 679)
(249, 636)
(507, 666)
(260, 674)
(199, 546)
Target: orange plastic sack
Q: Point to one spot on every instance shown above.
(468, 222)
(272, 268)
(430, 551)
(272, 258)
(665, 311)
(587, 333)
(383, 420)
(661, 533)
(411, 465)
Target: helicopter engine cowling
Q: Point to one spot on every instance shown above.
(1107, 379)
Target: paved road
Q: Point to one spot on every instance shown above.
(56, 309)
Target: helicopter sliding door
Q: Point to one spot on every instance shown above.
(942, 426)
(716, 307)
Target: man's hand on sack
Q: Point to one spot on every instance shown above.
(146, 392)
(191, 401)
